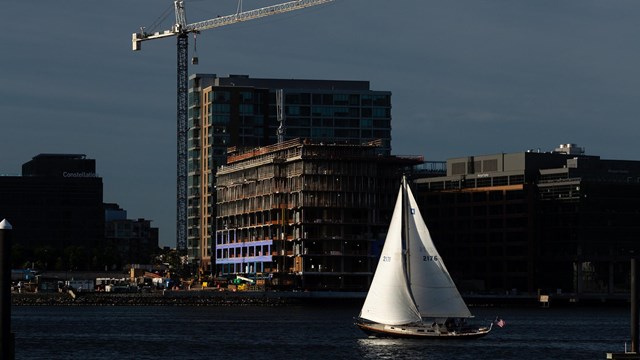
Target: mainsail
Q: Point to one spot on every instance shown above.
(389, 300)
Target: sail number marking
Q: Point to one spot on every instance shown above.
(430, 258)
(386, 258)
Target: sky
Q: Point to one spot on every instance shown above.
(468, 77)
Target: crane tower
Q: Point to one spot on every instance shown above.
(181, 30)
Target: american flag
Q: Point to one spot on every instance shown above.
(500, 322)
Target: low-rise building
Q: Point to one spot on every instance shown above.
(135, 240)
(559, 221)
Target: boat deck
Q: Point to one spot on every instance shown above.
(421, 331)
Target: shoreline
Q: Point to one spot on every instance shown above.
(278, 298)
(185, 298)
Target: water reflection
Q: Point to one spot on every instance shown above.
(431, 349)
(380, 348)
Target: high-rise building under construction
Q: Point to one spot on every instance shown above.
(305, 215)
(250, 112)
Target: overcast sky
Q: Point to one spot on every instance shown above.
(468, 77)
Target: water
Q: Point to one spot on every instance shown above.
(302, 332)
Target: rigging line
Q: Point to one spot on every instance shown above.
(204, 12)
(160, 19)
(222, 8)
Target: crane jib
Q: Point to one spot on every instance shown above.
(254, 14)
(180, 28)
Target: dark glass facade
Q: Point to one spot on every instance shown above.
(55, 205)
(562, 224)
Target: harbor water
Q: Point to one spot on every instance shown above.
(301, 332)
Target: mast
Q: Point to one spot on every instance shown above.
(405, 231)
(406, 238)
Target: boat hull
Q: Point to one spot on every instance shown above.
(420, 331)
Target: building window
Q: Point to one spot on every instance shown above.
(294, 121)
(321, 111)
(293, 110)
(322, 133)
(298, 132)
(381, 100)
(380, 112)
(246, 96)
(484, 182)
(381, 123)
(382, 134)
(340, 111)
(516, 179)
(220, 119)
(340, 99)
(246, 109)
(221, 96)
(221, 108)
(458, 168)
(500, 180)
(490, 165)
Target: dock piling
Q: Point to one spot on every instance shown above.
(7, 341)
(633, 353)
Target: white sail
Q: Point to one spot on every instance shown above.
(389, 300)
(431, 285)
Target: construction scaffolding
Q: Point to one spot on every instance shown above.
(305, 215)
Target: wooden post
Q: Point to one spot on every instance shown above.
(633, 353)
(634, 306)
(7, 348)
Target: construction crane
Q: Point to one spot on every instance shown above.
(181, 30)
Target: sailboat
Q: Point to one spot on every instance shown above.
(412, 294)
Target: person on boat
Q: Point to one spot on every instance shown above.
(450, 323)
